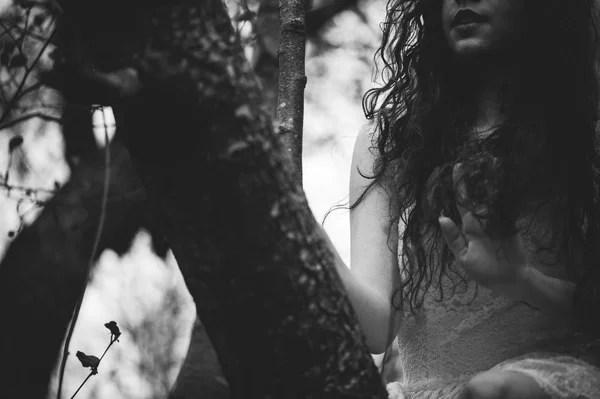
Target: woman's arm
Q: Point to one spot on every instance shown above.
(374, 272)
(557, 299)
(550, 295)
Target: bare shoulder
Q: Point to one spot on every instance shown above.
(365, 140)
(365, 152)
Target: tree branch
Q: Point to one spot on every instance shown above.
(292, 79)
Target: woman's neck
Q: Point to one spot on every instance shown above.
(492, 96)
(491, 88)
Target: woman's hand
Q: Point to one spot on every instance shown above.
(498, 265)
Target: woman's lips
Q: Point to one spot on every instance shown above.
(464, 27)
(466, 17)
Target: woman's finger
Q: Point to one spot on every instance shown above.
(453, 236)
(473, 228)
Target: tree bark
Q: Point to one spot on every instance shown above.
(198, 374)
(292, 78)
(249, 248)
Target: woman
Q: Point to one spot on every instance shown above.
(483, 169)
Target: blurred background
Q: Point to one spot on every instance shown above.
(139, 287)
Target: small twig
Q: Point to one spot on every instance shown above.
(7, 31)
(31, 35)
(93, 372)
(23, 118)
(25, 190)
(34, 87)
(28, 194)
(28, 71)
(19, 43)
(113, 338)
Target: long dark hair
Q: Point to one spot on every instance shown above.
(544, 153)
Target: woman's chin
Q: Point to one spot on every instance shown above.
(472, 48)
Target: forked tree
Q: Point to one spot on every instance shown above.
(255, 260)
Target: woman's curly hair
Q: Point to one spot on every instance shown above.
(543, 154)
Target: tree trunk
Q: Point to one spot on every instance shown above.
(292, 79)
(250, 250)
(198, 374)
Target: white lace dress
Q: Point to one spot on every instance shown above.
(448, 342)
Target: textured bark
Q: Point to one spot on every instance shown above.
(292, 78)
(236, 218)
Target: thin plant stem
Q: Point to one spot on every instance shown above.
(94, 371)
(91, 260)
(112, 341)
(83, 383)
